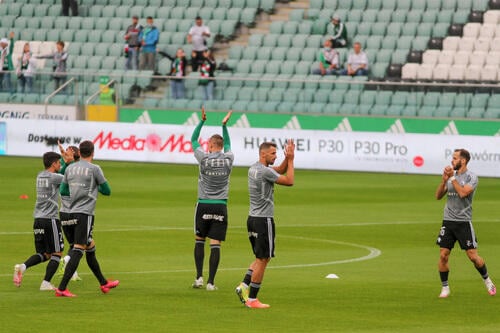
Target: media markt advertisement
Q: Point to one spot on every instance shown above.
(315, 149)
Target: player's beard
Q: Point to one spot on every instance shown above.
(457, 166)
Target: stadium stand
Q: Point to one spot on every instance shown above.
(416, 42)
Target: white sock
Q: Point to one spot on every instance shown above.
(66, 259)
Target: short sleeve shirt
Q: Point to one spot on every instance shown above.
(460, 209)
(47, 195)
(198, 39)
(261, 181)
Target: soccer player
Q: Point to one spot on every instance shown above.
(260, 222)
(49, 243)
(67, 223)
(82, 181)
(460, 185)
(213, 189)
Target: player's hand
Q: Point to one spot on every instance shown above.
(226, 118)
(12, 35)
(203, 114)
(447, 173)
(290, 149)
(61, 148)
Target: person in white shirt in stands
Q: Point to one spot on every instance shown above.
(197, 36)
(357, 62)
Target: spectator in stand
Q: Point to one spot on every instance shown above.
(328, 60)
(339, 33)
(197, 36)
(357, 62)
(6, 49)
(178, 71)
(148, 39)
(59, 58)
(207, 70)
(132, 47)
(66, 4)
(26, 68)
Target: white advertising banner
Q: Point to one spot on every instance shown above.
(326, 150)
(37, 111)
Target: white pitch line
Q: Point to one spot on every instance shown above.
(373, 253)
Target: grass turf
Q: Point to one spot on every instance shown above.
(144, 238)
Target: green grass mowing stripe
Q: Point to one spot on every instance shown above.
(146, 226)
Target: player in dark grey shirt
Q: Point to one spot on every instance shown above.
(46, 227)
(82, 181)
(211, 217)
(260, 222)
(460, 185)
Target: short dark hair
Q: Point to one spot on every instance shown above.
(266, 145)
(60, 42)
(49, 158)
(149, 18)
(463, 153)
(86, 148)
(198, 18)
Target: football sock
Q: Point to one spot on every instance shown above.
(254, 290)
(66, 259)
(34, 260)
(52, 267)
(94, 266)
(214, 262)
(199, 256)
(444, 278)
(76, 254)
(248, 277)
(483, 271)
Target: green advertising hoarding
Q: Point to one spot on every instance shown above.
(318, 122)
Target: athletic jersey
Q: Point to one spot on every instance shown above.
(65, 204)
(460, 209)
(47, 195)
(213, 179)
(83, 179)
(261, 181)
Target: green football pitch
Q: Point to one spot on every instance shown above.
(376, 232)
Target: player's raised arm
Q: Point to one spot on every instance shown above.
(196, 133)
(289, 153)
(288, 179)
(225, 133)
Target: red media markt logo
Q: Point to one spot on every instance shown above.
(418, 161)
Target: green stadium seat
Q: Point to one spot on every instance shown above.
(420, 43)
(440, 30)
(399, 16)
(394, 29)
(305, 28)
(250, 53)
(317, 4)
(88, 23)
(374, 42)
(389, 42)
(475, 112)
(264, 53)
(303, 68)
(434, 5)
(53, 35)
(281, 53)
(355, 15)
(445, 16)
(389, 4)
(364, 28)
(296, 15)
(467, 4)
(369, 16)
(276, 27)
(124, 12)
(378, 28)
(399, 56)
(137, 10)
(248, 16)
(319, 27)
(382, 16)
(26, 34)
(290, 27)
(67, 35)
(420, 4)
(40, 34)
